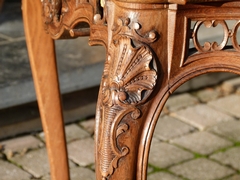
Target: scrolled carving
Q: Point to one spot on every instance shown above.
(127, 28)
(71, 19)
(234, 36)
(214, 46)
(128, 80)
(52, 10)
(53, 13)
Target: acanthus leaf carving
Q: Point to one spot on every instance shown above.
(128, 80)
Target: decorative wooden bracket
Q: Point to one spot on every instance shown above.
(70, 19)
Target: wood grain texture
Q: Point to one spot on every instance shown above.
(43, 64)
(171, 1)
(148, 57)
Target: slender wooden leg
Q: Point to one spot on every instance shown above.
(42, 59)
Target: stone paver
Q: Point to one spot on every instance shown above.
(234, 177)
(82, 151)
(20, 145)
(230, 157)
(229, 104)
(202, 142)
(180, 101)
(201, 169)
(208, 94)
(88, 125)
(162, 176)
(169, 127)
(201, 116)
(163, 155)
(78, 173)
(9, 171)
(34, 162)
(230, 130)
(73, 132)
(231, 85)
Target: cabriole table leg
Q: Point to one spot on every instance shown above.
(135, 71)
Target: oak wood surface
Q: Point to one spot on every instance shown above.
(43, 64)
(171, 1)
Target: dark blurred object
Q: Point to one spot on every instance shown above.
(1, 4)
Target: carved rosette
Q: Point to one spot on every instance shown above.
(128, 80)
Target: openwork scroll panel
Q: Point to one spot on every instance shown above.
(210, 36)
(230, 33)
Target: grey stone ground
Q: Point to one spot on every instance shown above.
(196, 138)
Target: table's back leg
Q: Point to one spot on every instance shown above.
(42, 59)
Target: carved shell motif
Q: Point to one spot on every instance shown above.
(132, 79)
(128, 84)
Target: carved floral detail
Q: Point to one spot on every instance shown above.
(128, 80)
(214, 46)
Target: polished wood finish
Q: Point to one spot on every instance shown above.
(42, 59)
(148, 57)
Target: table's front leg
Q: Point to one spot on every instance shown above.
(130, 81)
(43, 64)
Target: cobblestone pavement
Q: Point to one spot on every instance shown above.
(197, 137)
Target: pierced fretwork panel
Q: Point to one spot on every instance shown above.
(215, 35)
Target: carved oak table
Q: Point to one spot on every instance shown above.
(148, 57)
